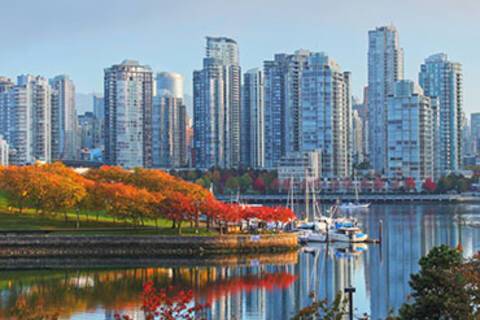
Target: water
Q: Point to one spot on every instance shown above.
(260, 287)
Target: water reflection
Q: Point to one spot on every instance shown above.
(262, 287)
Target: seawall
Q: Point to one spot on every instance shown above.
(67, 246)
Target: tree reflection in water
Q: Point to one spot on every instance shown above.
(49, 294)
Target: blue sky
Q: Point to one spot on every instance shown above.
(81, 38)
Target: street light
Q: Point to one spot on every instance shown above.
(350, 291)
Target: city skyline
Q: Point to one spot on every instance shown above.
(94, 38)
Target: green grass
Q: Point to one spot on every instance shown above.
(10, 220)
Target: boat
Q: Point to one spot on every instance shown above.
(357, 204)
(349, 234)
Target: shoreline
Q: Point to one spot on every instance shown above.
(373, 198)
(48, 263)
(18, 247)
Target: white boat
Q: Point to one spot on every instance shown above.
(357, 204)
(354, 205)
(347, 234)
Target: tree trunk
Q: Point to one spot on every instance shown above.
(65, 215)
(174, 225)
(179, 230)
(78, 220)
(156, 223)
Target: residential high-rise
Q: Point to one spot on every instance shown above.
(169, 141)
(411, 140)
(358, 151)
(169, 83)
(385, 66)
(128, 114)
(253, 120)
(282, 105)
(216, 106)
(26, 123)
(360, 129)
(4, 150)
(326, 114)
(442, 79)
(475, 132)
(99, 107)
(64, 119)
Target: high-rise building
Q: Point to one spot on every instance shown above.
(26, 120)
(216, 90)
(4, 150)
(360, 129)
(282, 105)
(358, 151)
(411, 140)
(385, 66)
(253, 120)
(90, 131)
(475, 132)
(64, 119)
(326, 114)
(128, 114)
(169, 141)
(99, 107)
(442, 79)
(169, 83)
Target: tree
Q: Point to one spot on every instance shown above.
(410, 184)
(259, 185)
(378, 184)
(440, 289)
(322, 310)
(429, 185)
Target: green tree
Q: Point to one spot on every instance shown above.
(439, 291)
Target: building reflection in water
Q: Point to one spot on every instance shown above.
(262, 287)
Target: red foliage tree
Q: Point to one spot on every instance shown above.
(378, 184)
(259, 185)
(429, 185)
(410, 184)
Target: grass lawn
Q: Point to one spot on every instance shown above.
(29, 220)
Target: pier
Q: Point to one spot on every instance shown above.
(374, 198)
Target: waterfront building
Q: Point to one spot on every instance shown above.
(298, 166)
(358, 151)
(282, 104)
(4, 152)
(475, 132)
(169, 83)
(253, 120)
(442, 79)
(90, 131)
(64, 119)
(128, 114)
(385, 67)
(325, 114)
(26, 119)
(169, 140)
(99, 114)
(410, 147)
(216, 107)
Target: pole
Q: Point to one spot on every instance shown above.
(380, 230)
(350, 291)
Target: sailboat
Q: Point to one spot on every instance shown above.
(357, 204)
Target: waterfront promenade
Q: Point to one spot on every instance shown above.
(375, 198)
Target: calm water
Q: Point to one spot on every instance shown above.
(261, 287)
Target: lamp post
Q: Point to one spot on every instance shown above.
(350, 291)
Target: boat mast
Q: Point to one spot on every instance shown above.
(307, 198)
(355, 182)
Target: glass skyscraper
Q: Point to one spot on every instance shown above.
(385, 66)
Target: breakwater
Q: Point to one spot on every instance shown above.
(14, 246)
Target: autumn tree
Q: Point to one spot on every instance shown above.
(429, 185)
(410, 184)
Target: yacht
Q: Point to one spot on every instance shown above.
(357, 204)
